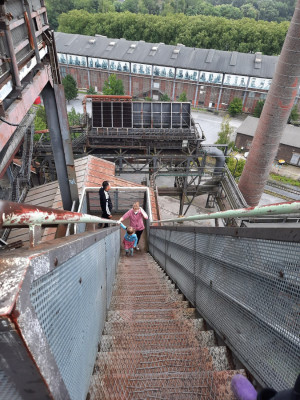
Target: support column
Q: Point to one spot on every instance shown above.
(55, 107)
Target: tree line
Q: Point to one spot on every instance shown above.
(246, 35)
(268, 10)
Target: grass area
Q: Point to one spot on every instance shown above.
(284, 179)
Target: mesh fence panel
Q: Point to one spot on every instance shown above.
(71, 305)
(247, 289)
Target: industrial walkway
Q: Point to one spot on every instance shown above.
(153, 345)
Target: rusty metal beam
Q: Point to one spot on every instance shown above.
(10, 45)
(18, 109)
(55, 106)
(275, 114)
(66, 141)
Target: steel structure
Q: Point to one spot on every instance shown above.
(28, 68)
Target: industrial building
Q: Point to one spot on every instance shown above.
(289, 149)
(210, 78)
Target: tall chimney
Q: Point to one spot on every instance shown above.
(274, 117)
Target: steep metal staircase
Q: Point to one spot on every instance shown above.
(73, 329)
(153, 345)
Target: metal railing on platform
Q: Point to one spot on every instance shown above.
(53, 308)
(122, 199)
(288, 208)
(246, 284)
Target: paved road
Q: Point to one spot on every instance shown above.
(211, 124)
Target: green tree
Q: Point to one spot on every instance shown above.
(225, 133)
(235, 107)
(91, 90)
(74, 118)
(243, 35)
(182, 97)
(70, 87)
(249, 11)
(113, 86)
(294, 115)
(258, 108)
(41, 116)
(235, 166)
(55, 8)
(164, 97)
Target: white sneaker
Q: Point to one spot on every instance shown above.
(137, 248)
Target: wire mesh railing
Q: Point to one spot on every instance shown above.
(56, 298)
(246, 284)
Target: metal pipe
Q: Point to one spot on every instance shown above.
(292, 207)
(274, 117)
(18, 214)
(220, 159)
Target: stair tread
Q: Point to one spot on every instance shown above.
(191, 359)
(153, 326)
(209, 385)
(156, 340)
(153, 314)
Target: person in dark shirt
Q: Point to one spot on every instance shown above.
(105, 202)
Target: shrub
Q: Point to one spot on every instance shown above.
(182, 97)
(164, 97)
(235, 107)
(91, 90)
(258, 108)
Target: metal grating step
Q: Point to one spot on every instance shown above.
(176, 386)
(149, 291)
(150, 341)
(146, 299)
(155, 304)
(142, 315)
(154, 326)
(194, 359)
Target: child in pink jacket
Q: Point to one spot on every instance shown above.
(136, 215)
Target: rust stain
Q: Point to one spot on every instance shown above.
(29, 30)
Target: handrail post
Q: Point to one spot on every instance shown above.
(35, 235)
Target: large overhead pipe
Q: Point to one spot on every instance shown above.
(274, 117)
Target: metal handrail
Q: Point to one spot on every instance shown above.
(120, 189)
(291, 207)
(16, 215)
